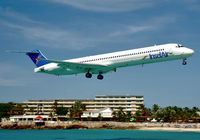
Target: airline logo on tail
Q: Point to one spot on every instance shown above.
(37, 59)
(35, 56)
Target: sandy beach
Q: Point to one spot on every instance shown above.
(169, 129)
(193, 127)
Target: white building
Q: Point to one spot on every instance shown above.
(127, 102)
(28, 118)
(104, 114)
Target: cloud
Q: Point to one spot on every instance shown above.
(71, 37)
(40, 33)
(128, 30)
(192, 5)
(107, 5)
(51, 37)
(9, 13)
(150, 25)
(48, 36)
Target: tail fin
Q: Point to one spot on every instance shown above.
(35, 56)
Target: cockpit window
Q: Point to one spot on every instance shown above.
(179, 46)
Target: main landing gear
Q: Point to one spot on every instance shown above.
(89, 75)
(184, 62)
(100, 77)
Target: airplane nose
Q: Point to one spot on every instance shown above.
(188, 51)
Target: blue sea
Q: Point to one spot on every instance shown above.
(96, 135)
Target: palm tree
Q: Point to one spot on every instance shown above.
(172, 114)
(121, 116)
(128, 115)
(114, 114)
(51, 116)
(31, 109)
(155, 108)
(187, 113)
(61, 110)
(144, 112)
(166, 114)
(100, 118)
(55, 106)
(195, 115)
(77, 110)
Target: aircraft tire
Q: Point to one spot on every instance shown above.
(184, 63)
(100, 77)
(88, 75)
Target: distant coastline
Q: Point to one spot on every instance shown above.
(195, 127)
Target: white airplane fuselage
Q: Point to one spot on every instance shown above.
(112, 61)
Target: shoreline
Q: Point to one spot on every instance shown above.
(170, 129)
(102, 125)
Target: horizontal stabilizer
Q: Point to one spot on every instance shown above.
(14, 51)
(34, 56)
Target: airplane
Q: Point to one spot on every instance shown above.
(109, 62)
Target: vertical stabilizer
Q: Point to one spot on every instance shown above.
(35, 56)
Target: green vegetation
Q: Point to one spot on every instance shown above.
(4, 110)
(61, 111)
(7, 109)
(121, 115)
(76, 110)
(167, 114)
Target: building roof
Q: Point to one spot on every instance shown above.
(119, 95)
(64, 100)
(29, 116)
(39, 117)
(97, 111)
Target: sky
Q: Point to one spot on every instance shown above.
(65, 29)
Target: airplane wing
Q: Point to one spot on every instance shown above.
(75, 65)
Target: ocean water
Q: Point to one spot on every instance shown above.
(96, 135)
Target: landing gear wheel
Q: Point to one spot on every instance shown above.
(184, 62)
(88, 75)
(100, 77)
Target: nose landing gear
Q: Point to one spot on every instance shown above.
(184, 62)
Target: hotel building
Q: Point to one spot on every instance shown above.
(45, 107)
